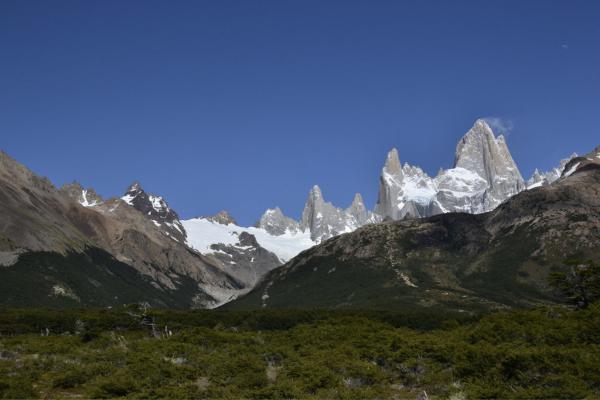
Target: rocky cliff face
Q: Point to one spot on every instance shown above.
(390, 187)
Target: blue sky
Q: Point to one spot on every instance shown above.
(244, 105)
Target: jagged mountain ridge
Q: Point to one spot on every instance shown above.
(457, 261)
(484, 175)
(323, 220)
(546, 178)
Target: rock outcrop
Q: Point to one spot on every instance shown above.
(276, 223)
(222, 217)
(157, 209)
(86, 197)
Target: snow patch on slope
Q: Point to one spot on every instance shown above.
(85, 202)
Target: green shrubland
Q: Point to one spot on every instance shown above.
(542, 353)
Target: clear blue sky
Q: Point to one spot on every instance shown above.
(244, 105)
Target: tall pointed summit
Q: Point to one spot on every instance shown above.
(390, 186)
(392, 163)
(322, 219)
(358, 210)
(404, 191)
(479, 151)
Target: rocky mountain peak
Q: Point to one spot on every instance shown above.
(222, 217)
(392, 164)
(133, 191)
(537, 179)
(155, 208)
(86, 197)
(322, 219)
(358, 210)
(474, 146)
(357, 200)
(391, 183)
(479, 151)
(315, 193)
(134, 188)
(276, 223)
(482, 126)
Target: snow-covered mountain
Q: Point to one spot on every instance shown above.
(483, 176)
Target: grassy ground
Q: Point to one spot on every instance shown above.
(544, 353)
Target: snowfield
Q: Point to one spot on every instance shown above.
(202, 233)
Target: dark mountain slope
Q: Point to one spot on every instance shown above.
(92, 278)
(455, 261)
